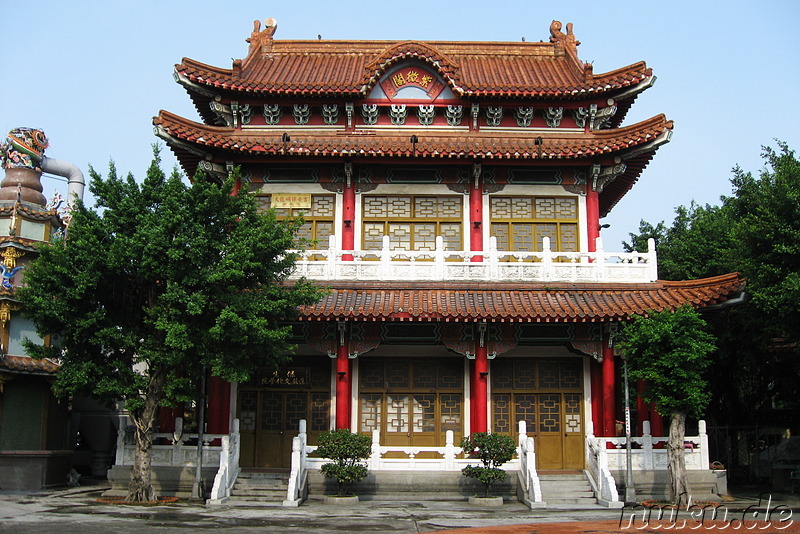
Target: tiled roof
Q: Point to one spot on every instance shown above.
(430, 144)
(189, 139)
(471, 69)
(517, 302)
(26, 364)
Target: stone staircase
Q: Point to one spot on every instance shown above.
(567, 490)
(260, 488)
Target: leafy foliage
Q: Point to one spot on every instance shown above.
(766, 210)
(347, 450)
(670, 352)
(493, 450)
(755, 231)
(163, 281)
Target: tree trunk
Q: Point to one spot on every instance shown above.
(140, 488)
(679, 491)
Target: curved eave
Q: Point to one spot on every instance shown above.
(201, 139)
(540, 303)
(27, 365)
(300, 73)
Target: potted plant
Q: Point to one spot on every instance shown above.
(347, 452)
(493, 450)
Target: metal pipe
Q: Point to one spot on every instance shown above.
(70, 171)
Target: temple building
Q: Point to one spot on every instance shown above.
(452, 194)
(37, 431)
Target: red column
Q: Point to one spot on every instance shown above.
(656, 422)
(609, 392)
(592, 217)
(343, 385)
(166, 417)
(219, 406)
(480, 381)
(348, 217)
(596, 379)
(476, 217)
(642, 409)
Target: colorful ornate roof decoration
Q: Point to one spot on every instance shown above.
(24, 147)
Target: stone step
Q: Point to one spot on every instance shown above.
(571, 490)
(249, 483)
(237, 500)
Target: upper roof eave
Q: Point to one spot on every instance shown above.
(485, 70)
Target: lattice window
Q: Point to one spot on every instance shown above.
(371, 411)
(271, 411)
(531, 390)
(424, 374)
(450, 374)
(318, 220)
(411, 395)
(320, 411)
(424, 419)
(296, 408)
(450, 405)
(549, 374)
(570, 375)
(248, 408)
(397, 412)
(550, 413)
(501, 412)
(525, 409)
(572, 412)
(521, 223)
(413, 222)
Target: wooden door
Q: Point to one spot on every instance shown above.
(412, 402)
(547, 396)
(270, 419)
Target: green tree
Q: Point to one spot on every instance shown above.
(669, 351)
(755, 231)
(493, 450)
(766, 231)
(348, 451)
(162, 283)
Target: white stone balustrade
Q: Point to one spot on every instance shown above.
(180, 450)
(463, 265)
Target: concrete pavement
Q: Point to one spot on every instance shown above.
(76, 510)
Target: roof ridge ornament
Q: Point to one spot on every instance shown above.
(558, 37)
(262, 39)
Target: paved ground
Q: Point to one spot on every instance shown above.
(77, 511)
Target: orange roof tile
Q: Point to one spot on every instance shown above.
(515, 302)
(433, 144)
(471, 69)
(26, 364)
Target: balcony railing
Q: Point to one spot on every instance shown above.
(548, 265)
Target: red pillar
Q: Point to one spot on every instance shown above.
(219, 406)
(596, 379)
(480, 379)
(592, 217)
(348, 217)
(476, 217)
(609, 392)
(166, 417)
(343, 385)
(656, 422)
(642, 409)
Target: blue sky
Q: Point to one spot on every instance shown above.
(92, 74)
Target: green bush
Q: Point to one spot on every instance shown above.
(493, 450)
(347, 450)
